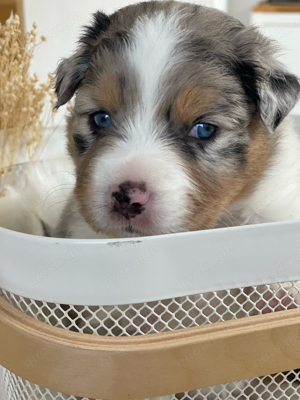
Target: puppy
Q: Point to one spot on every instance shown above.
(178, 124)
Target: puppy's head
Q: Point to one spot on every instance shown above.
(175, 116)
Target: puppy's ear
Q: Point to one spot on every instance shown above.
(272, 89)
(278, 94)
(72, 70)
(69, 75)
(274, 92)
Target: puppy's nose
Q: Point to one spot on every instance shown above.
(130, 198)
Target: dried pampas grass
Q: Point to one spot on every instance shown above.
(26, 106)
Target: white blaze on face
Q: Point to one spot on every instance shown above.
(152, 53)
(145, 156)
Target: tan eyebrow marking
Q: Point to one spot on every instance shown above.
(107, 92)
(194, 101)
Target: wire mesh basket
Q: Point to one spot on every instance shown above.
(160, 316)
(163, 284)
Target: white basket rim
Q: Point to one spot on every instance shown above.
(127, 271)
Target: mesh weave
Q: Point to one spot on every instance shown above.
(163, 315)
(159, 316)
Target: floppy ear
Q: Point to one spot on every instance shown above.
(274, 92)
(278, 94)
(72, 70)
(272, 89)
(69, 75)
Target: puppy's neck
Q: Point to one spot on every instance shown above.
(276, 194)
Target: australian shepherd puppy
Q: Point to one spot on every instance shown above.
(179, 124)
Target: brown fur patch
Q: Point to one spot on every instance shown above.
(107, 92)
(193, 102)
(84, 189)
(215, 196)
(211, 200)
(261, 150)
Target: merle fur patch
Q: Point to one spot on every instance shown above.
(81, 144)
(100, 24)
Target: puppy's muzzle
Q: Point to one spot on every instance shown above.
(130, 198)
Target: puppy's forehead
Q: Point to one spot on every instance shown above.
(156, 50)
(138, 67)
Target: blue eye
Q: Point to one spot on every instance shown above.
(203, 131)
(102, 120)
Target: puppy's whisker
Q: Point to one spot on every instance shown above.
(55, 204)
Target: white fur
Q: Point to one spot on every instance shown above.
(151, 53)
(13, 216)
(277, 195)
(143, 160)
(79, 228)
(143, 155)
(39, 193)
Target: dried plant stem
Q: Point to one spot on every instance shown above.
(26, 106)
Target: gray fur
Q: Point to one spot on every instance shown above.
(69, 75)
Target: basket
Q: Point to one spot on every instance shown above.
(200, 315)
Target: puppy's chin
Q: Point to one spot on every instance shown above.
(116, 226)
(128, 231)
(125, 233)
(128, 228)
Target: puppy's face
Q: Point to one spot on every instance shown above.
(175, 116)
